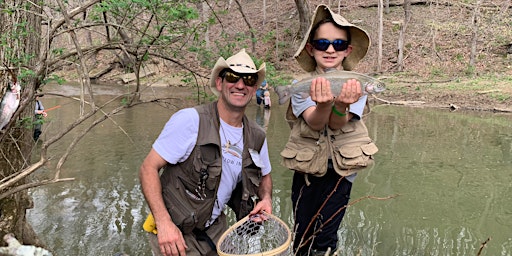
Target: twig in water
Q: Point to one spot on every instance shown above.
(342, 208)
(482, 246)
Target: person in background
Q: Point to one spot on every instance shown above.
(328, 142)
(266, 99)
(40, 114)
(260, 93)
(205, 158)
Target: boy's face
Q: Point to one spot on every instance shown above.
(329, 58)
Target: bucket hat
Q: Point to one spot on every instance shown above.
(360, 41)
(239, 63)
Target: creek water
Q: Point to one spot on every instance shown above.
(450, 173)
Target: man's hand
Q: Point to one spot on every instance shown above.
(42, 112)
(171, 240)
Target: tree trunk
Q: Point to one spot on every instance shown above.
(251, 30)
(474, 34)
(264, 12)
(16, 141)
(381, 32)
(304, 17)
(401, 39)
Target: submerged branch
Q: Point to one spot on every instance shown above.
(343, 208)
(482, 246)
(32, 185)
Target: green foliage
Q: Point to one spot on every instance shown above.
(125, 100)
(435, 72)
(500, 96)
(268, 37)
(470, 70)
(54, 78)
(202, 96)
(28, 122)
(459, 57)
(58, 51)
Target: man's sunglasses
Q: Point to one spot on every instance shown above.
(323, 44)
(232, 77)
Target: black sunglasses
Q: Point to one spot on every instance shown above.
(232, 77)
(323, 44)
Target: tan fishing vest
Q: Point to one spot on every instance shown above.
(190, 188)
(308, 151)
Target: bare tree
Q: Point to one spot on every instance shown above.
(34, 51)
(304, 17)
(381, 31)
(403, 29)
(474, 34)
(251, 30)
(264, 8)
(15, 142)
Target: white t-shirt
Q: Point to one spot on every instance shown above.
(179, 136)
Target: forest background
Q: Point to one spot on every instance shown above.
(450, 54)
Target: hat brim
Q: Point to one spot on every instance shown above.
(360, 41)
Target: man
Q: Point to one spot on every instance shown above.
(40, 114)
(212, 155)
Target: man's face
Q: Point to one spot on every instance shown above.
(236, 89)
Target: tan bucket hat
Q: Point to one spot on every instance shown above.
(240, 63)
(360, 41)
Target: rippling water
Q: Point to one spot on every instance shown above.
(450, 170)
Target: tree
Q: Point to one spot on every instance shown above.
(381, 31)
(403, 29)
(474, 33)
(20, 41)
(131, 33)
(304, 17)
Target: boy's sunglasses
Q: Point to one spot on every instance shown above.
(232, 77)
(323, 44)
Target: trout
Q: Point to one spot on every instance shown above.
(337, 78)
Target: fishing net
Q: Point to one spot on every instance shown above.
(262, 234)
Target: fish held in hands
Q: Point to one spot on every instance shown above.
(369, 85)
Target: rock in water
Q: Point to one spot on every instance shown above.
(15, 248)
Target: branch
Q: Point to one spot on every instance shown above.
(31, 185)
(343, 208)
(22, 174)
(483, 245)
(253, 37)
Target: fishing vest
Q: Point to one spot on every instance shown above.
(189, 188)
(308, 151)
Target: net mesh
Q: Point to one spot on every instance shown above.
(252, 236)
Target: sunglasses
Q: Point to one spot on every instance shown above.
(232, 77)
(323, 44)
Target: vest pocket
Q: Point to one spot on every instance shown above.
(355, 157)
(305, 160)
(307, 132)
(182, 212)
